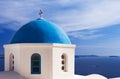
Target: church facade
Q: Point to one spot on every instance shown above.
(40, 50)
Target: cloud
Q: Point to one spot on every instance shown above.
(85, 34)
(71, 15)
(17, 11)
(91, 16)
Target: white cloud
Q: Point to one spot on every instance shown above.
(92, 16)
(103, 14)
(18, 11)
(85, 35)
(71, 15)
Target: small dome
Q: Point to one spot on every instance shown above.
(40, 31)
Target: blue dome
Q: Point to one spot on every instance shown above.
(40, 31)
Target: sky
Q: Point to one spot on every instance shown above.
(93, 25)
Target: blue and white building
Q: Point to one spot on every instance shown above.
(40, 50)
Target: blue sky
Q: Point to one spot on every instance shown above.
(93, 25)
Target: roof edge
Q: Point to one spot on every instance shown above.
(41, 44)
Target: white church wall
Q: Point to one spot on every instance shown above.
(6, 59)
(50, 60)
(12, 49)
(27, 50)
(58, 51)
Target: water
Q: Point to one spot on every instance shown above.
(1, 64)
(106, 66)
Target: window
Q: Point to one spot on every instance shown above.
(36, 64)
(11, 62)
(64, 62)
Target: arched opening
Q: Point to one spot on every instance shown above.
(36, 64)
(64, 62)
(11, 62)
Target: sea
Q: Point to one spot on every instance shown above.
(1, 63)
(108, 66)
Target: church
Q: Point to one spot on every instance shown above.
(40, 50)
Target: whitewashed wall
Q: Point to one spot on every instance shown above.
(50, 60)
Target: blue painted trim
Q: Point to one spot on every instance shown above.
(32, 64)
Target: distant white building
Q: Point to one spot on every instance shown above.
(40, 50)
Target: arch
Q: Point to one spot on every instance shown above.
(11, 62)
(64, 62)
(36, 64)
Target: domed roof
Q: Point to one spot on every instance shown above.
(40, 31)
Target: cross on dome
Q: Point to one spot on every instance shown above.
(40, 13)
